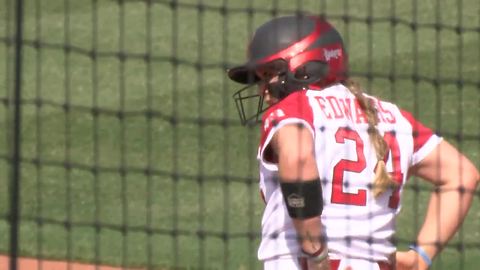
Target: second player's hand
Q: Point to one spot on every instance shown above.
(409, 260)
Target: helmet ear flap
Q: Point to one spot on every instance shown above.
(311, 72)
(304, 75)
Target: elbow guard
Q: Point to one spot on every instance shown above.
(303, 198)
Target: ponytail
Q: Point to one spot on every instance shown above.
(382, 180)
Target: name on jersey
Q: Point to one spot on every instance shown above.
(349, 108)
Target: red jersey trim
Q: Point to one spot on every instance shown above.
(295, 108)
(420, 133)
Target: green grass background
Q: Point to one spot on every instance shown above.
(199, 208)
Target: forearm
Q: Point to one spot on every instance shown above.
(306, 219)
(446, 211)
(309, 230)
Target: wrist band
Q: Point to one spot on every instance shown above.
(420, 251)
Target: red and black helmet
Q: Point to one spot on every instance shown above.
(306, 51)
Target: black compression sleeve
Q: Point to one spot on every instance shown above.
(303, 198)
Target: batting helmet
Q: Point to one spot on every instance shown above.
(306, 52)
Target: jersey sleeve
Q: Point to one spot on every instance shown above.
(424, 139)
(294, 109)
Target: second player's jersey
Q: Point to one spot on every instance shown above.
(357, 224)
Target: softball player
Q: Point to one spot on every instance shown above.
(333, 160)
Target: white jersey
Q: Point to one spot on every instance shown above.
(357, 224)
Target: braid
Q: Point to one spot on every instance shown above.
(382, 180)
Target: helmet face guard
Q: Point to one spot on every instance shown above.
(286, 83)
(249, 105)
(303, 51)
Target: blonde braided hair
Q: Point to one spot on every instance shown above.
(382, 180)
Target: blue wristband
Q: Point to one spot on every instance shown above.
(422, 253)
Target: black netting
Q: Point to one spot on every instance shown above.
(120, 143)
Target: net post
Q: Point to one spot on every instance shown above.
(15, 160)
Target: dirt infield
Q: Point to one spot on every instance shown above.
(35, 264)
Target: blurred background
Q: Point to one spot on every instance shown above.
(120, 143)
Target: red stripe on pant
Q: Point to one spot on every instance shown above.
(335, 263)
